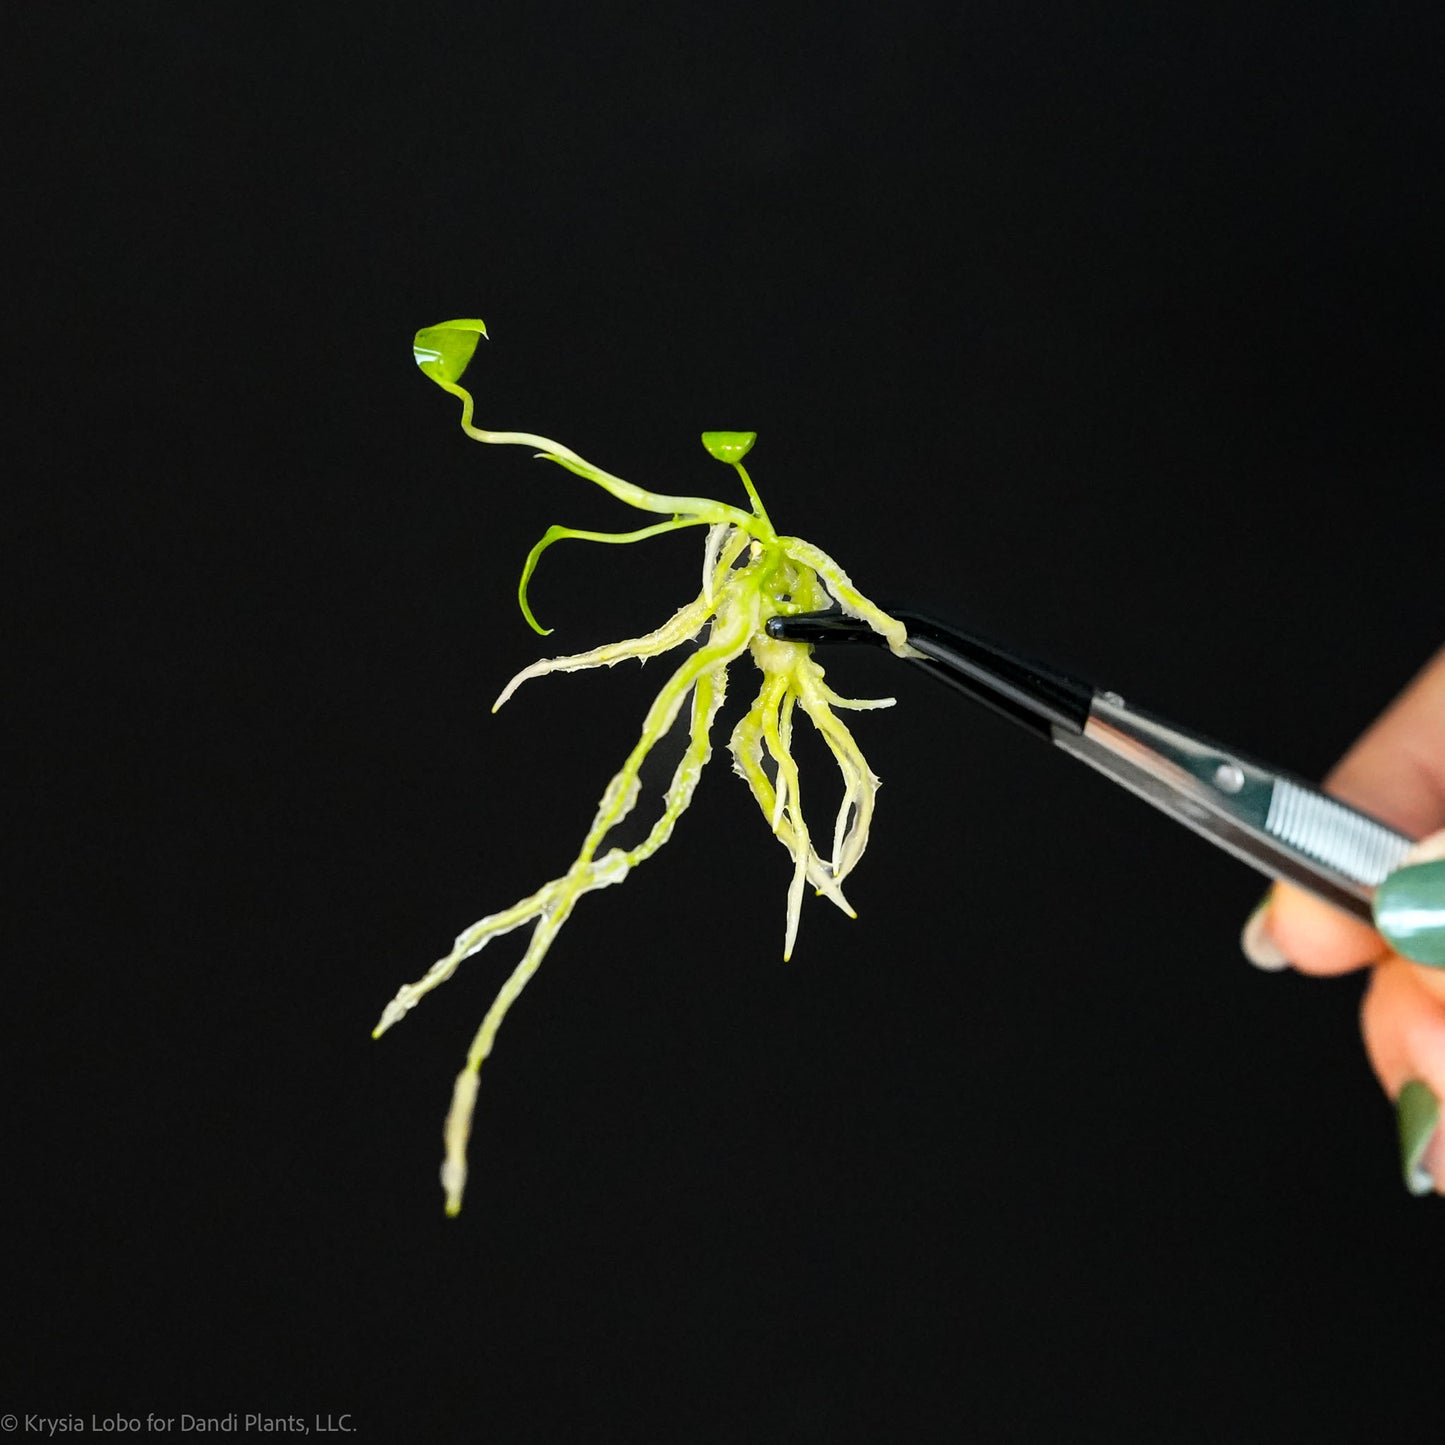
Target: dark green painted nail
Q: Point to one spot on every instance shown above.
(1418, 1112)
(1410, 912)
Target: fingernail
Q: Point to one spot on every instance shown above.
(1259, 947)
(1410, 912)
(1418, 1113)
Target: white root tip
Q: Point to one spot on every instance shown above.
(456, 1133)
(454, 1180)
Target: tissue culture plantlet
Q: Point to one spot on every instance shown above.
(749, 574)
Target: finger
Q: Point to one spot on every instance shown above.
(1395, 771)
(1320, 939)
(1326, 941)
(1309, 934)
(1404, 1028)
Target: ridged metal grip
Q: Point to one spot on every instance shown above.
(1277, 824)
(1337, 836)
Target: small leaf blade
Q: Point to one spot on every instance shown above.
(445, 350)
(729, 446)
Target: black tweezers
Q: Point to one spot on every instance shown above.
(1277, 823)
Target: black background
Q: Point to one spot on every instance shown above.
(1113, 330)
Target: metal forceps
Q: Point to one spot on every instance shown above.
(1279, 824)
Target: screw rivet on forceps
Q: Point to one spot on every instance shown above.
(1228, 778)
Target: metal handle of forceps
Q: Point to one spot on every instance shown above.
(1281, 825)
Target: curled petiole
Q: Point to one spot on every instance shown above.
(557, 534)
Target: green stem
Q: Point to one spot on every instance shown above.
(758, 509)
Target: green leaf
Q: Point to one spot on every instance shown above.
(444, 350)
(726, 446)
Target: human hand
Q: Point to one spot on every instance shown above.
(1396, 771)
